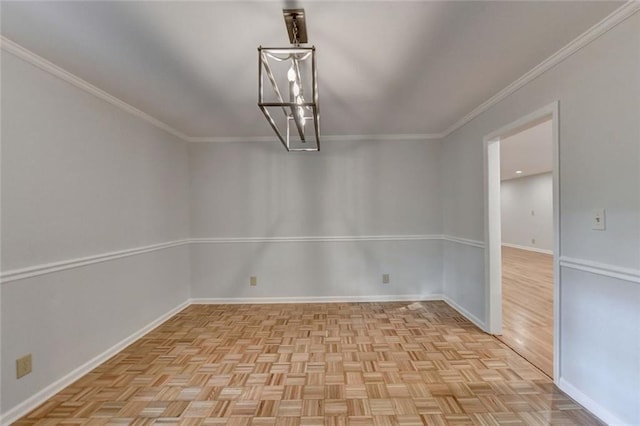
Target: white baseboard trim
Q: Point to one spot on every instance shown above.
(465, 313)
(535, 249)
(315, 299)
(40, 397)
(603, 269)
(588, 403)
(35, 400)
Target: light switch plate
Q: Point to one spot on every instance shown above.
(598, 220)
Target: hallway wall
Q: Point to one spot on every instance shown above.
(597, 90)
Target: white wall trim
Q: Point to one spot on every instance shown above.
(313, 239)
(35, 400)
(474, 319)
(581, 41)
(317, 299)
(327, 138)
(465, 241)
(492, 212)
(47, 268)
(588, 403)
(32, 402)
(391, 137)
(45, 65)
(604, 269)
(616, 17)
(535, 249)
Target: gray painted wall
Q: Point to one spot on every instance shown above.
(80, 178)
(349, 189)
(257, 189)
(598, 89)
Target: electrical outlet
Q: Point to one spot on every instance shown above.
(598, 220)
(385, 278)
(533, 212)
(253, 281)
(23, 366)
(533, 241)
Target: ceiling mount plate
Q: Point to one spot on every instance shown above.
(294, 19)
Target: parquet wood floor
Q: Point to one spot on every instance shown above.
(314, 364)
(527, 305)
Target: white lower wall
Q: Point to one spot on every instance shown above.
(81, 178)
(597, 91)
(600, 343)
(66, 318)
(463, 279)
(306, 270)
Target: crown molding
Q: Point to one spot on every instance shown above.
(616, 17)
(226, 139)
(45, 65)
(396, 137)
(325, 138)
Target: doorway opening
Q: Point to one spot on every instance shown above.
(522, 235)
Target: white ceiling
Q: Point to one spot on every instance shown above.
(385, 67)
(530, 151)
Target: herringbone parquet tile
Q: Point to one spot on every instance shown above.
(314, 364)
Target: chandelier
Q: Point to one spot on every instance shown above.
(290, 103)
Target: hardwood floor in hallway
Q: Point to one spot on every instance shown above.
(527, 305)
(314, 364)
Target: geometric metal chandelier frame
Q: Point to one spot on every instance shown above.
(288, 87)
(289, 109)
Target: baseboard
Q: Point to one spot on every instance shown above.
(535, 249)
(315, 299)
(34, 401)
(588, 403)
(480, 324)
(40, 397)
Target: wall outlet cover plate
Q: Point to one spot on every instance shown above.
(598, 220)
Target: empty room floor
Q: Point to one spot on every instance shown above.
(314, 364)
(527, 305)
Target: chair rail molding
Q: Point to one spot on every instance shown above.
(603, 269)
(47, 268)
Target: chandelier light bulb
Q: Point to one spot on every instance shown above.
(296, 89)
(291, 74)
